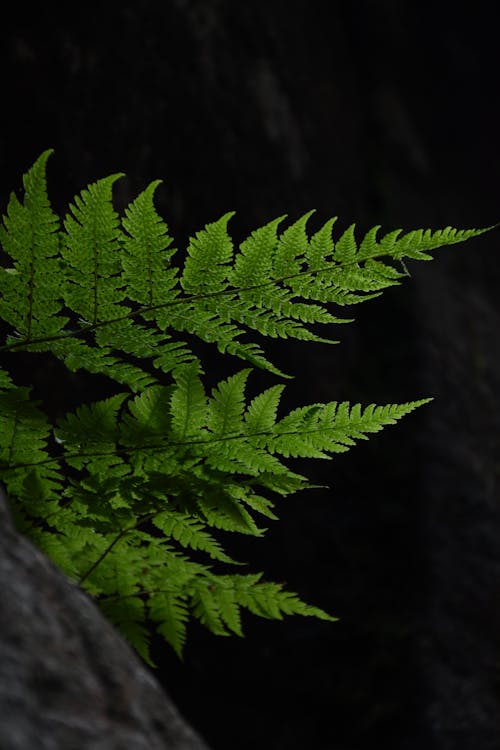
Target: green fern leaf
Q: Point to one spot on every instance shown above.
(346, 248)
(369, 245)
(90, 251)
(91, 434)
(149, 419)
(261, 504)
(171, 612)
(253, 264)
(225, 408)
(261, 413)
(190, 532)
(147, 272)
(413, 244)
(24, 432)
(316, 430)
(291, 248)
(209, 255)
(224, 510)
(206, 607)
(321, 245)
(270, 601)
(188, 402)
(227, 604)
(5, 380)
(30, 296)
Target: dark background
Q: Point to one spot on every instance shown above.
(379, 112)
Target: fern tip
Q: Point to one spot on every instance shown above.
(423, 401)
(45, 154)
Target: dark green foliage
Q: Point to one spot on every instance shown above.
(127, 494)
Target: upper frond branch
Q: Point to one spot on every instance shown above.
(117, 275)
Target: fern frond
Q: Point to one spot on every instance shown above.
(253, 264)
(91, 434)
(190, 532)
(172, 355)
(188, 402)
(271, 601)
(225, 408)
(226, 512)
(90, 250)
(147, 274)
(149, 417)
(275, 285)
(209, 257)
(345, 247)
(261, 413)
(24, 432)
(228, 593)
(5, 380)
(227, 604)
(316, 430)
(170, 611)
(414, 243)
(291, 248)
(30, 294)
(216, 601)
(320, 248)
(206, 608)
(261, 504)
(70, 543)
(159, 465)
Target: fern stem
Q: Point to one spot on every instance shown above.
(182, 300)
(159, 447)
(165, 446)
(110, 546)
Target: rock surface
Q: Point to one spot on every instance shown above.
(460, 513)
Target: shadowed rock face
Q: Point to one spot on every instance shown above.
(67, 679)
(460, 634)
